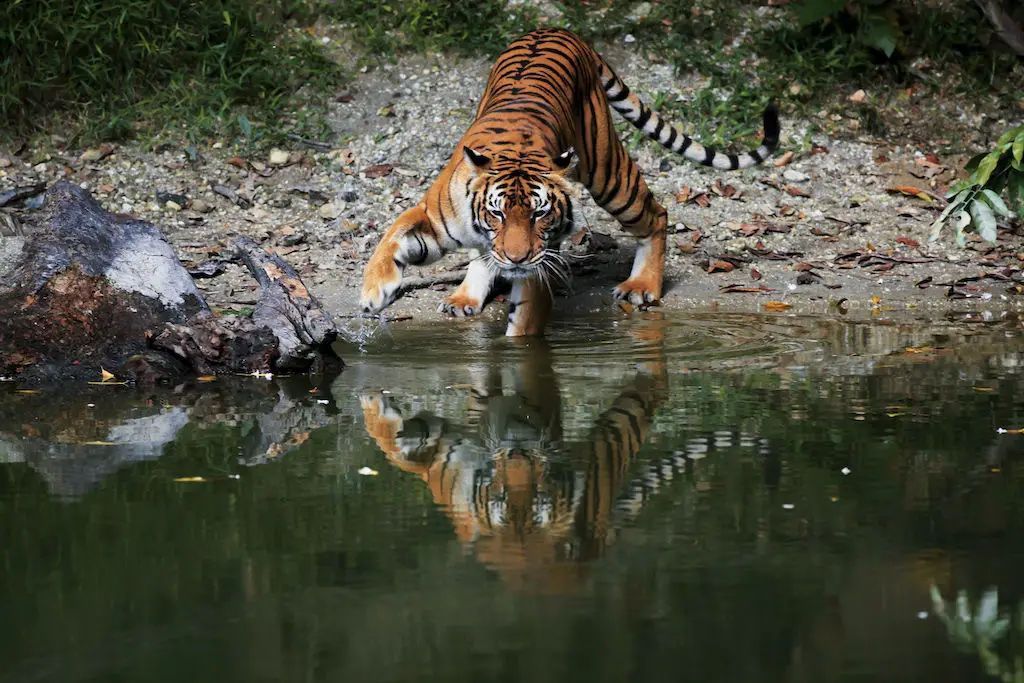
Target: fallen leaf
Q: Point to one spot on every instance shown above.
(755, 274)
(238, 162)
(777, 306)
(918, 349)
(795, 191)
(913, 244)
(702, 200)
(191, 480)
(875, 300)
(368, 472)
(104, 375)
(737, 288)
(206, 378)
(784, 159)
(378, 170)
(910, 191)
(858, 97)
(720, 266)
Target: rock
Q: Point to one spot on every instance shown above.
(795, 176)
(5, 162)
(328, 211)
(94, 154)
(664, 165)
(202, 206)
(278, 157)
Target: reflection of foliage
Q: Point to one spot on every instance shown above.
(980, 628)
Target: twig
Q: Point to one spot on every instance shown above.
(371, 316)
(442, 279)
(311, 143)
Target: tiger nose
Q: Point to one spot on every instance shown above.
(517, 257)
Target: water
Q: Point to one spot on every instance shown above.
(721, 498)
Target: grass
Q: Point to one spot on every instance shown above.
(755, 56)
(102, 69)
(461, 26)
(99, 69)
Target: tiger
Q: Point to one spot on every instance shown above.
(509, 193)
(529, 505)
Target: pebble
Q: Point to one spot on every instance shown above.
(278, 157)
(5, 162)
(172, 206)
(328, 211)
(202, 206)
(94, 154)
(795, 176)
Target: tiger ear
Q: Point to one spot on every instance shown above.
(566, 161)
(476, 160)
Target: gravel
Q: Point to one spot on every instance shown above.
(822, 233)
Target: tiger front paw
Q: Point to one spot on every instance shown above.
(637, 291)
(460, 305)
(380, 287)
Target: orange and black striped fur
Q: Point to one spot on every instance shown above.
(507, 191)
(531, 506)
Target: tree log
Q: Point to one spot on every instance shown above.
(93, 290)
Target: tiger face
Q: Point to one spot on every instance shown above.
(522, 207)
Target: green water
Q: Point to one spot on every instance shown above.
(727, 498)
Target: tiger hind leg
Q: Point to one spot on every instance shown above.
(470, 296)
(529, 308)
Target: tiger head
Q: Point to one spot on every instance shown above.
(522, 202)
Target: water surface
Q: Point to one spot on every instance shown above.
(721, 498)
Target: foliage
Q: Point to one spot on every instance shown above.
(876, 22)
(975, 201)
(466, 26)
(995, 635)
(113, 64)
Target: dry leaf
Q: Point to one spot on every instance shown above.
(720, 266)
(206, 378)
(914, 244)
(777, 306)
(755, 274)
(379, 170)
(238, 162)
(106, 375)
(910, 191)
(784, 159)
(795, 191)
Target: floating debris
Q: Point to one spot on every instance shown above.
(368, 472)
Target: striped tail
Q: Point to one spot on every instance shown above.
(656, 128)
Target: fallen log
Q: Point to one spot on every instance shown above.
(94, 291)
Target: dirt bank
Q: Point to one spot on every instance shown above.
(824, 233)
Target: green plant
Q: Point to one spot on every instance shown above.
(876, 22)
(465, 26)
(975, 201)
(102, 67)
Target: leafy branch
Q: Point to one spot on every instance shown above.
(975, 201)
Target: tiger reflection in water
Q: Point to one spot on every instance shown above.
(531, 507)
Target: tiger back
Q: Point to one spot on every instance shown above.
(508, 193)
